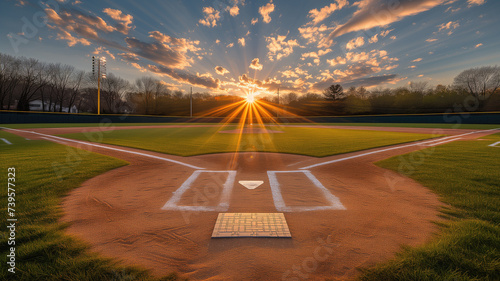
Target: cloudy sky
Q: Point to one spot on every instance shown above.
(240, 46)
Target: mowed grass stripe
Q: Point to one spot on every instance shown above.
(465, 174)
(43, 177)
(316, 142)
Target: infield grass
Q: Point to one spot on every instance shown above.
(316, 142)
(43, 176)
(465, 174)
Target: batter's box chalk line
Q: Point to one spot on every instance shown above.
(497, 144)
(224, 200)
(280, 205)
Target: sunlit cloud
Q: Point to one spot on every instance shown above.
(254, 21)
(204, 81)
(211, 17)
(478, 45)
(265, 11)
(314, 33)
(123, 20)
(354, 43)
(475, 2)
(323, 13)
(431, 40)
(241, 41)
(221, 70)
(279, 47)
(103, 50)
(233, 11)
(255, 64)
(70, 39)
(417, 60)
(379, 13)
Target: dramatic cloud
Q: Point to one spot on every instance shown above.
(72, 25)
(103, 50)
(359, 65)
(221, 70)
(130, 57)
(313, 33)
(475, 2)
(359, 82)
(354, 43)
(72, 41)
(316, 55)
(124, 21)
(379, 13)
(279, 47)
(319, 15)
(233, 11)
(255, 64)
(265, 12)
(165, 50)
(451, 25)
(204, 81)
(211, 17)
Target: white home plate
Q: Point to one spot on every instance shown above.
(251, 184)
(251, 225)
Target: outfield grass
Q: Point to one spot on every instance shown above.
(465, 174)
(43, 251)
(404, 125)
(203, 140)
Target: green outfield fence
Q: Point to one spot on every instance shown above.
(26, 117)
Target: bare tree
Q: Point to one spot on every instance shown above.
(290, 98)
(113, 91)
(479, 81)
(60, 81)
(32, 79)
(9, 78)
(146, 87)
(334, 92)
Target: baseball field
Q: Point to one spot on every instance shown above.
(144, 201)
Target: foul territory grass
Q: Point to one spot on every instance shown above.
(403, 125)
(45, 172)
(203, 140)
(465, 174)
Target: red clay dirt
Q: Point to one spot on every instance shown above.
(119, 214)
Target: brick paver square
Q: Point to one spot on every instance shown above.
(251, 225)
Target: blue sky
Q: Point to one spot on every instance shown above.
(236, 46)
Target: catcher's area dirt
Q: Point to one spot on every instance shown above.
(119, 214)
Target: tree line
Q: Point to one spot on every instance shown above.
(61, 87)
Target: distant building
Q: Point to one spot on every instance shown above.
(38, 105)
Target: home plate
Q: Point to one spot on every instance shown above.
(251, 225)
(251, 184)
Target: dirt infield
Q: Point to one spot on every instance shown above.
(119, 213)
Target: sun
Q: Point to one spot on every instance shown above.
(250, 98)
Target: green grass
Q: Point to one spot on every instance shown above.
(203, 140)
(421, 125)
(43, 250)
(68, 125)
(465, 174)
(406, 125)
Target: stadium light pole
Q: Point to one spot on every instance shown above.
(191, 103)
(278, 107)
(100, 62)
